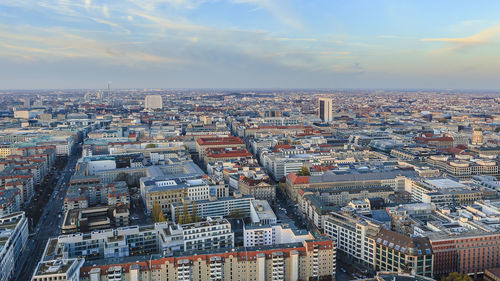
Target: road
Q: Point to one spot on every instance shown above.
(48, 225)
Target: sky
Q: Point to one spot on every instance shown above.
(449, 44)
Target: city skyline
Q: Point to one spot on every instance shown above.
(249, 44)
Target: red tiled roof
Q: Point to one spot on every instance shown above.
(220, 141)
(298, 179)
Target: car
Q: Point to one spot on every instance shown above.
(343, 270)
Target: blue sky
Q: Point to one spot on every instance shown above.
(249, 44)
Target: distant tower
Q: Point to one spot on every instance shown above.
(325, 110)
(153, 102)
(109, 91)
(477, 136)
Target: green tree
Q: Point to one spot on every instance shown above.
(303, 171)
(150, 145)
(497, 129)
(455, 276)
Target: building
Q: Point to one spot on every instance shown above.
(153, 102)
(235, 206)
(10, 201)
(354, 235)
(161, 238)
(211, 234)
(342, 180)
(309, 260)
(325, 109)
(13, 237)
(59, 269)
(95, 218)
(266, 234)
(477, 137)
(210, 143)
(261, 189)
(492, 274)
(397, 252)
(442, 192)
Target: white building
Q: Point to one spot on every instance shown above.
(60, 269)
(13, 237)
(325, 109)
(353, 235)
(153, 102)
(265, 235)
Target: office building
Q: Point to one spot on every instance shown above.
(153, 102)
(13, 237)
(325, 109)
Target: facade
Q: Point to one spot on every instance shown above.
(153, 102)
(210, 143)
(10, 201)
(215, 207)
(309, 260)
(60, 269)
(160, 238)
(325, 109)
(353, 235)
(261, 189)
(208, 235)
(95, 218)
(266, 235)
(396, 252)
(13, 238)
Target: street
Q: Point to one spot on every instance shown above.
(48, 225)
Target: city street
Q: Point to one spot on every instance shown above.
(48, 224)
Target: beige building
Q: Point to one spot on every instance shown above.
(313, 259)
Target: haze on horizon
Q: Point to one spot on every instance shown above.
(249, 44)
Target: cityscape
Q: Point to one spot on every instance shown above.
(249, 140)
(250, 185)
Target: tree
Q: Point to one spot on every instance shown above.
(150, 145)
(161, 217)
(194, 213)
(155, 213)
(455, 276)
(186, 216)
(497, 129)
(303, 171)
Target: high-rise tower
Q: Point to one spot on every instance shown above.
(325, 110)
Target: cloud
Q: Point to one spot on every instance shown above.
(486, 36)
(87, 4)
(281, 10)
(50, 47)
(387, 37)
(105, 11)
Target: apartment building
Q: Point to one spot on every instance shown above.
(347, 179)
(160, 238)
(206, 143)
(354, 235)
(396, 252)
(465, 166)
(237, 205)
(261, 189)
(59, 269)
(13, 238)
(309, 260)
(10, 201)
(267, 234)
